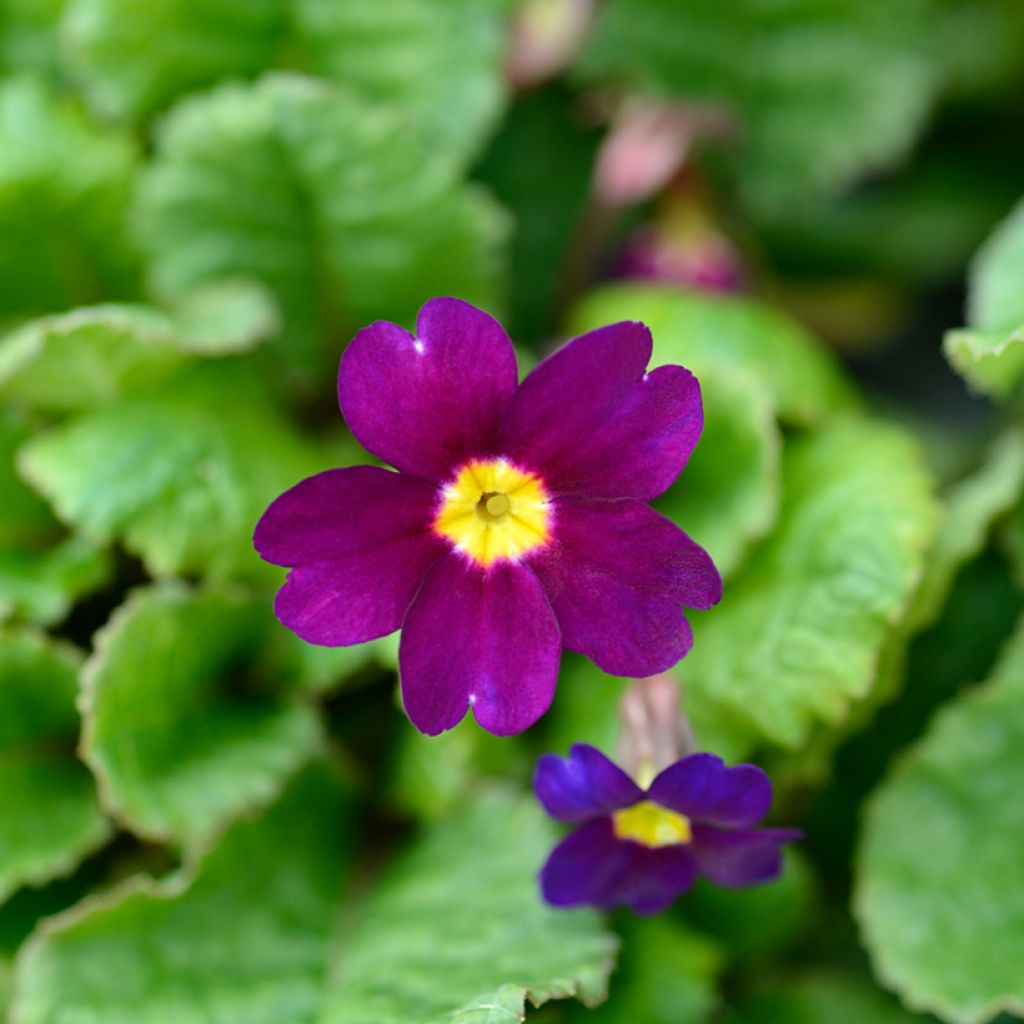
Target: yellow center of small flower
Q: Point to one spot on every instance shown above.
(651, 824)
(492, 510)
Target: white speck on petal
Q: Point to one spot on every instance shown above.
(472, 698)
(646, 375)
(418, 345)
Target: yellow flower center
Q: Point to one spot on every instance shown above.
(651, 824)
(492, 510)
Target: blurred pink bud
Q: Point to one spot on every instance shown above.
(546, 36)
(654, 732)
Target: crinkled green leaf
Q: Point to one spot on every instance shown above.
(821, 997)
(131, 59)
(817, 91)
(704, 332)
(667, 975)
(49, 814)
(457, 930)
(181, 730)
(98, 354)
(63, 190)
(438, 61)
(181, 477)
(728, 495)
(971, 507)
(940, 879)
(820, 598)
(989, 355)
(243, 937)
(330, 202)
(41, 571)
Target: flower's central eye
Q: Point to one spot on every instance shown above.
(493, 510)
(651, 824)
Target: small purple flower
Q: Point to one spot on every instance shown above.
(643, 848)
(517, 522)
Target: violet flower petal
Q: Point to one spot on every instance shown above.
(582, 785)
(736, 858)
(706, 791)
(593, 422)
(481, 639)
(360, 542)
(593, 866)
(616, 574)
(425, 404)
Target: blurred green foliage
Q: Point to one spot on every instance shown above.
(204, 820)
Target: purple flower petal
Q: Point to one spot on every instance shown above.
(706, 791)
(592, 422)
(360, 541)
(425, 404)
(481, 639)
(592, 866)
(582, 785)
(737, 858)
(616, 574)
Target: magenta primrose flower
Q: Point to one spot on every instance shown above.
(517, 522)
(644, 847)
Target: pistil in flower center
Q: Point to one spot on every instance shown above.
(496, 505)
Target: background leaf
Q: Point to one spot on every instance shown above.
(49, 814)
(939, 889)
(819, 599)
(181, 731)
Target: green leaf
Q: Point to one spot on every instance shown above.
(440, 62)
(667, 975)
(728, 495)
(99, 354)
(819, 997)
(28, 38)
(790, 77)
(181, 730)
(940, 880)
(971, 507)
(49, 814)
(820, 598)
(990, 354)
(730, 334)
(497, 943)
(329, 202)
(63, 242)
(132, 59)
(240, 937)
(453, 932)
(180, 477)
(41, 572)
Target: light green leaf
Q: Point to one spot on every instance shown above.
(49, 814)
(990, 354)
(329, 202)
(667, 975)
(181, 730)
(730, 334)
(940, 879)
(728, 495)
(789, 76)
(821, 997)
(497, 943)
(41, 572)
(98, 354)
(63, 242)
(132, 59)
(454, 932)
(241, 938)
(971, 507)
(438, 61)
(820, 598)
(181, 477)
